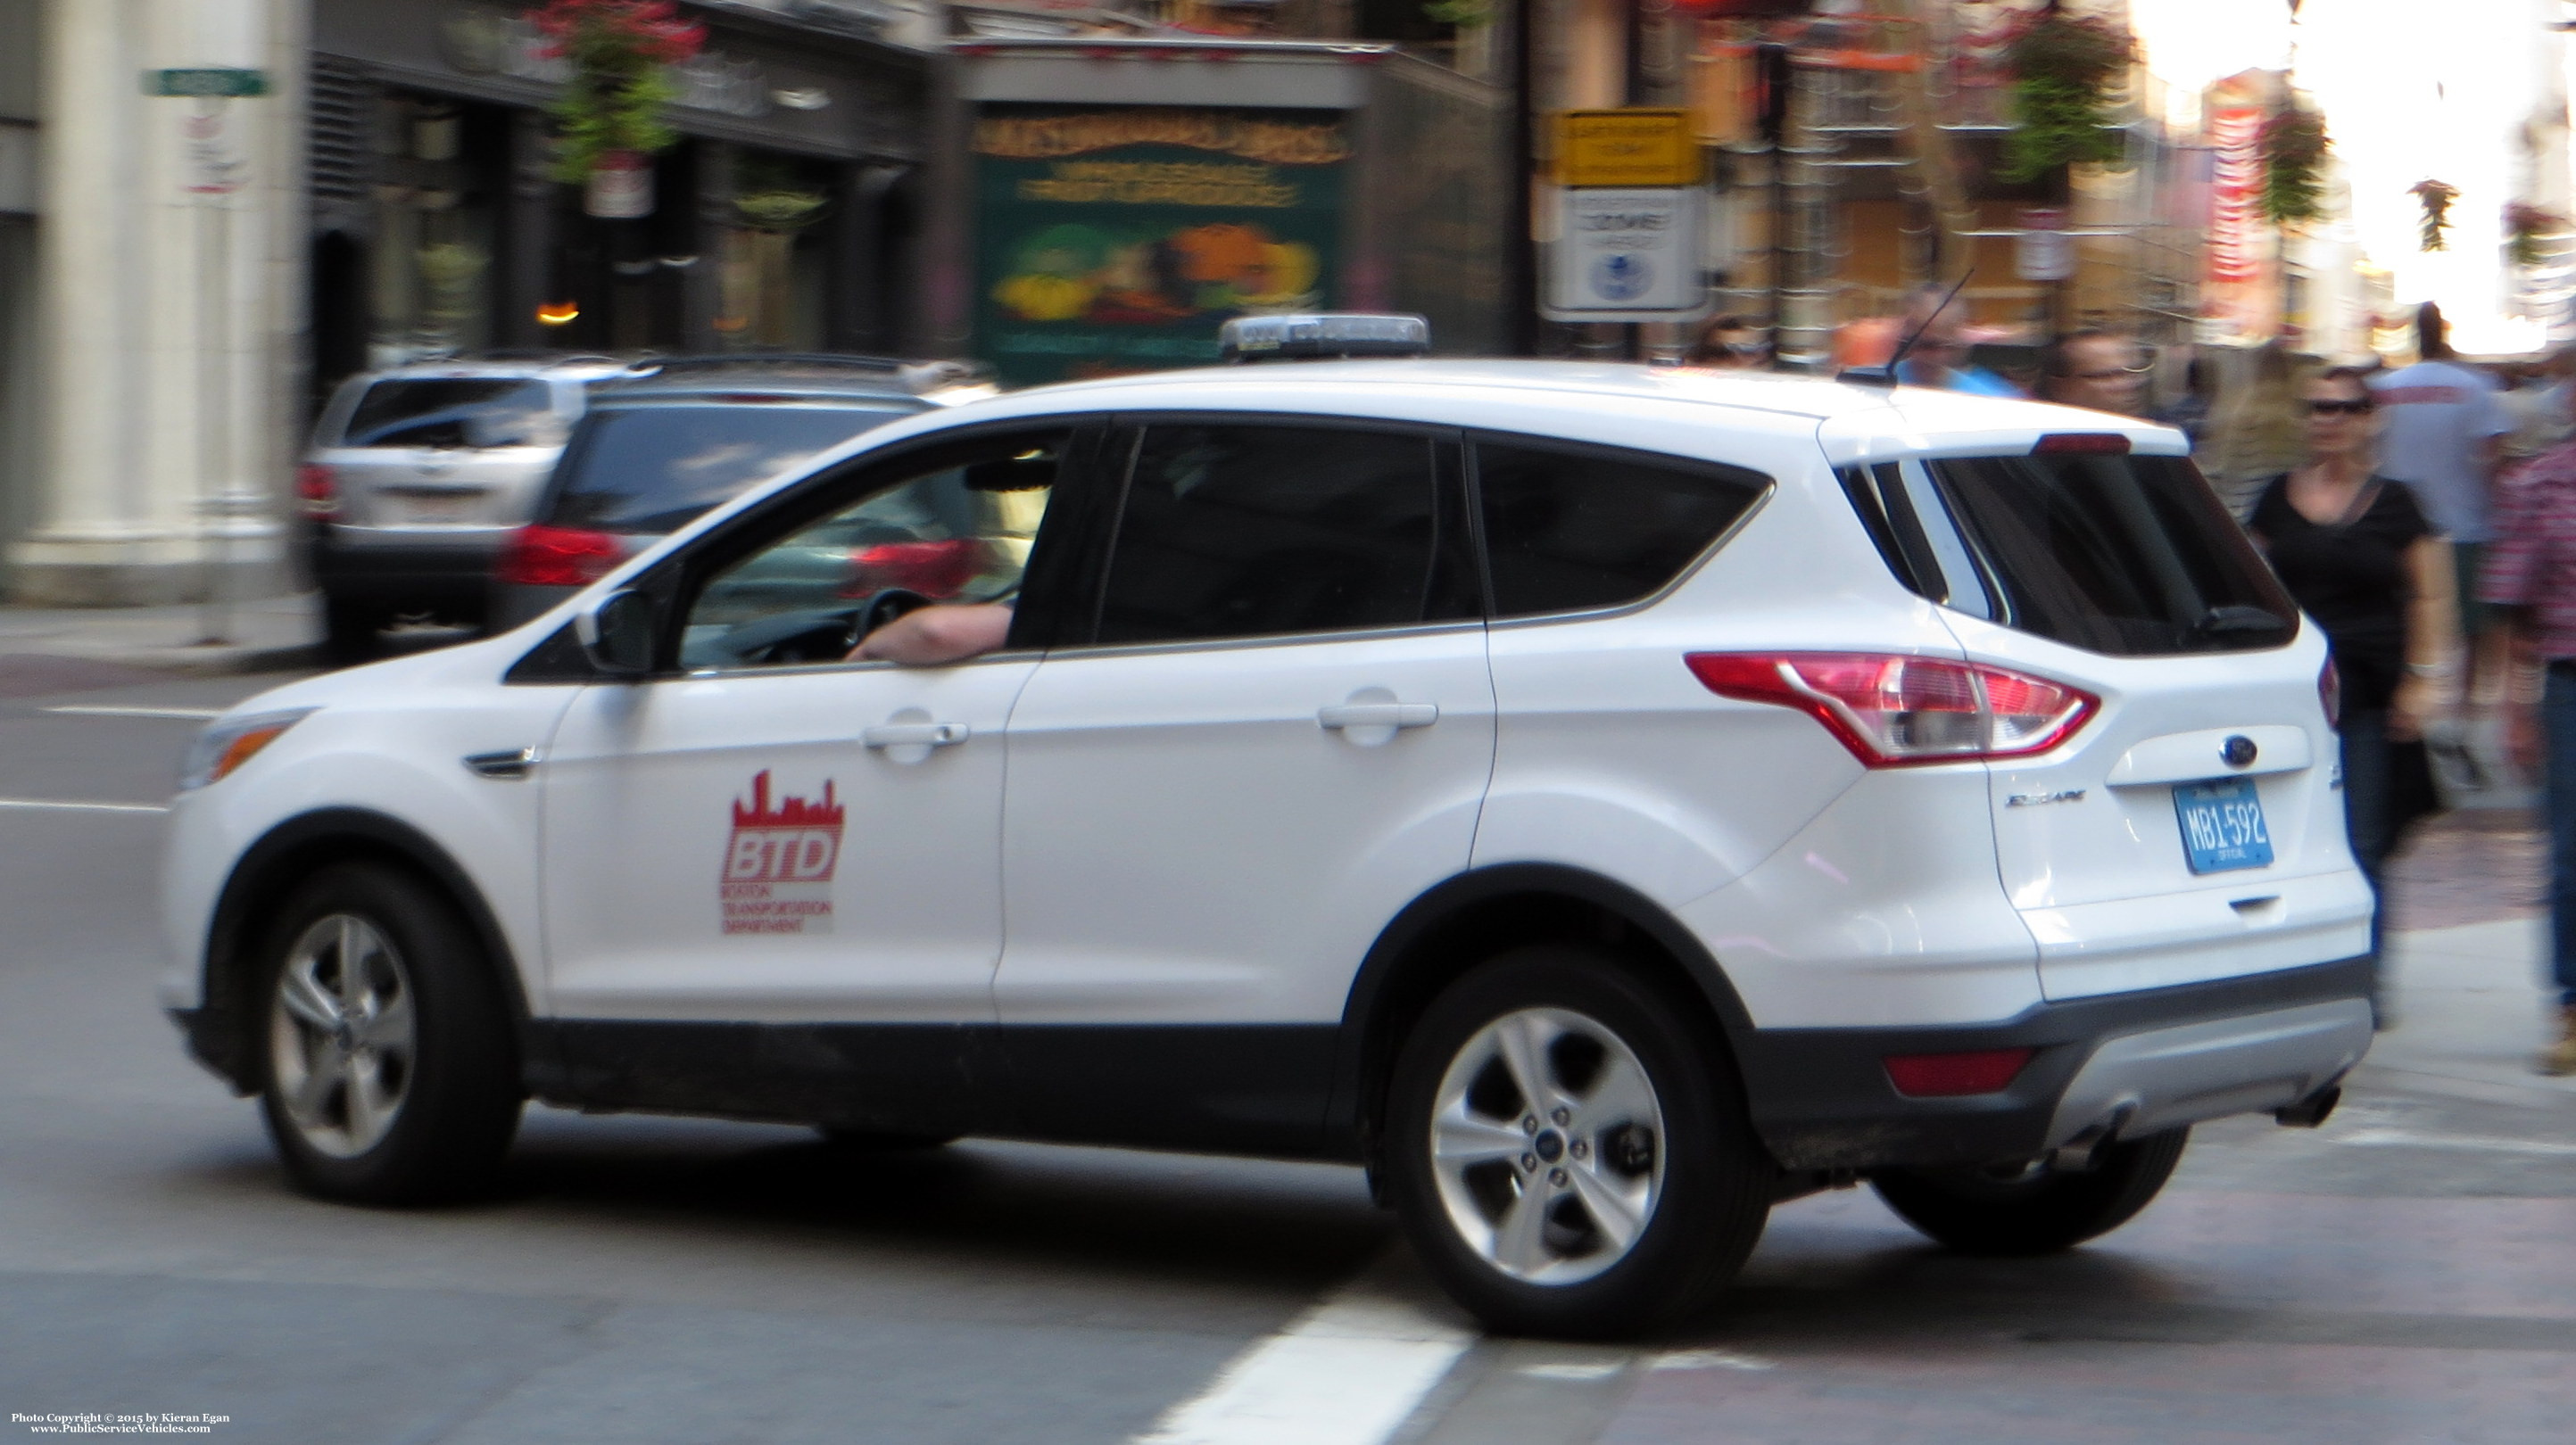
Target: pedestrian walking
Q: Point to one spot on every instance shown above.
(1939, 357)
(2189, 412)
(2256, 433)
(2441, 433)
(1730, 343)
(2360, 557)
(2529, 582)
(2098, 369)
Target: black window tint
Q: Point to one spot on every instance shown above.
(1242, 531)
(454, 412)
(2126, 555)
(650, 469)
(1569, 530)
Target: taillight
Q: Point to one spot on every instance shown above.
(1952, 1076)
(2330, 693)
(542, 556)
(317, 490)
(2081, 443)
(938, 569)
(1893, 710)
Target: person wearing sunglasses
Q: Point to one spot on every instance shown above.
(2099, 370)
(2362, 559)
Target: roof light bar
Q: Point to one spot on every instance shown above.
(1309, 337)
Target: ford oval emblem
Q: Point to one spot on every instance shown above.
(2238, 751)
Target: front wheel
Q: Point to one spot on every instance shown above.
(390, 1076)
(2033, 1209)
(1567, 1146)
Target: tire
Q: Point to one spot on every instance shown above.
(1666, 1143)
(395, 1084)
(877, 1141)
(1979, 1211)
(349, 631)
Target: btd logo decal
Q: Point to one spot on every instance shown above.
(778, 864)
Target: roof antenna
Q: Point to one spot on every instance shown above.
(1885, 374)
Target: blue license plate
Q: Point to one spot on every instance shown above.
(2222, 825)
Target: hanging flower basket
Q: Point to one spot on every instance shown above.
(2525, 227)
(2294, 151)
(2064, 70)
(621, 53)
(2436, 198)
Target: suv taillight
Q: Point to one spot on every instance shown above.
(937, 569)
(317, 490)
(2330, 693)
(543, 556)
(1894, 710)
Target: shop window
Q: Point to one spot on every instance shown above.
(771, 293)
(430, 281)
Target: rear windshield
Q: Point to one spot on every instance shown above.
(652, 469)
(2132, 556)
(454, 412)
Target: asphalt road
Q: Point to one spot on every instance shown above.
(2406, 1274)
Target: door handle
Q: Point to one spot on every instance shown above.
(916, 735)
(1378, 715)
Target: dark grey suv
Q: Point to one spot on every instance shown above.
(658, 447)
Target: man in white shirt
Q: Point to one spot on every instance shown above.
(2442, 428)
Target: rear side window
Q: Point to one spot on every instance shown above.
(454, 412)
(2127, 555)
(1570, 529)
(651, 469)
(1247, 531)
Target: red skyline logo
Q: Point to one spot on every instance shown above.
(790, 812)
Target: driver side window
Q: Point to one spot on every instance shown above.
(955, 529)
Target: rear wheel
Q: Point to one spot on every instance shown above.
(389, 1073)
(349, 631)
(2033, 1209)
(1567, 1146)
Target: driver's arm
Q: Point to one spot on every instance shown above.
(929, 636)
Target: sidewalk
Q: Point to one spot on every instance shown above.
(265, 635)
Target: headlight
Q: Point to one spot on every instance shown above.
(227, 743)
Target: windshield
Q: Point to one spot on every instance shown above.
(455, 412)
(2127, 555)
(652, 468)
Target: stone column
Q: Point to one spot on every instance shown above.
(166, 419)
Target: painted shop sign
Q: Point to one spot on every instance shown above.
(1115, 240)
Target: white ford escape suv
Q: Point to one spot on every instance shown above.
(1603, 801)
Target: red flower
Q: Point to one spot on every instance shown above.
(650, 30)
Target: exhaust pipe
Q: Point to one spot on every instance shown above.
(2311, 1111)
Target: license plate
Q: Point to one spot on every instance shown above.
(434, 508)
(2222, 825)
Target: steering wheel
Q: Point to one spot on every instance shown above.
(882, 606)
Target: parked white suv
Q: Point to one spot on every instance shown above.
(1603, 801)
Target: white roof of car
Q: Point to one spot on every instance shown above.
(1822, 399)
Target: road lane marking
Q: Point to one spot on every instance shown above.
(66, 806)
(2477, 1143)
(1707, 1360)
(1349, 1371)
(199, 714)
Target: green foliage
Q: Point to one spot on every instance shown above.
(1465, 14)
(621, 52)
(2294, 150)
(2064, 70)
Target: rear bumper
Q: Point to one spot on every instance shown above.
(2137, 1062)
(449, 576)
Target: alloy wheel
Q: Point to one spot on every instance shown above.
(343, 1036)
(1547, 1146)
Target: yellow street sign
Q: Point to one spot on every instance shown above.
(1626, 148)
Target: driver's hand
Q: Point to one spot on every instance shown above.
(940, 633)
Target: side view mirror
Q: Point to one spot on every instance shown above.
(616, 633)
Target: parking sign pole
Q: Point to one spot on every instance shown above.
(211, 170)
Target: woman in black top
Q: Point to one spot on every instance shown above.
(2358, 554)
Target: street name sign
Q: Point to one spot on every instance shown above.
(1629, 254)
(204, 80)
(1637, 147)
